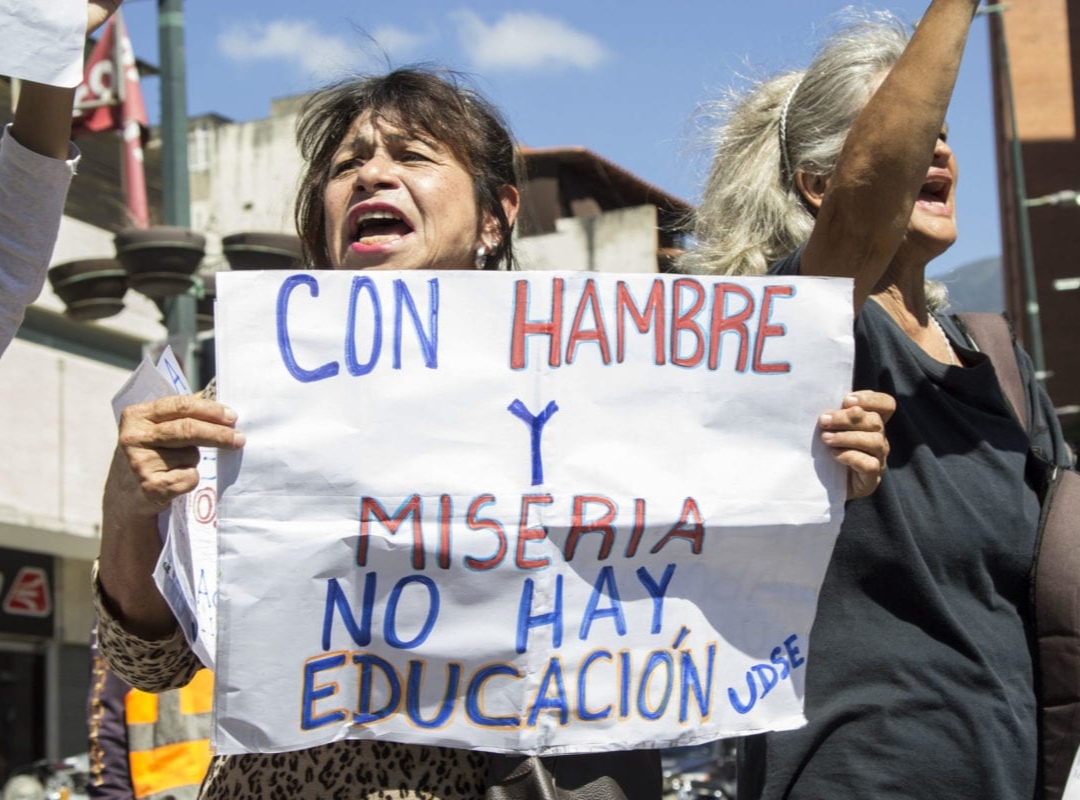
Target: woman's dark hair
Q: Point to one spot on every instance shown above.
(417, 100)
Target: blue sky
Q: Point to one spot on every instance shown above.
(622, 77)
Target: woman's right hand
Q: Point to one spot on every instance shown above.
(158, 450)
(156, 461)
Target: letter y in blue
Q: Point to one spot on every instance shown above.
(536, 426)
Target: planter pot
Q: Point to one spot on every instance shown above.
(160, 261)
(91, 288)
(258, 250)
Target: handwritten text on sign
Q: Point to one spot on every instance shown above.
(547, 512)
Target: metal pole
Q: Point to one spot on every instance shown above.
(179, 310)
(1023, 225)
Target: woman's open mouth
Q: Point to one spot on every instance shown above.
(379, 227)
(935, 191)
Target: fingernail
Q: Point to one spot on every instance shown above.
(230, 415)
(239, 440)
(827, 437)
(852, 398)
(825, 419)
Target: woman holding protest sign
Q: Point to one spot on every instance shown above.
(404, 171)
(921, 681)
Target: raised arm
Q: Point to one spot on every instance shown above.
(866, 203)
(36, 165)
(43, 117)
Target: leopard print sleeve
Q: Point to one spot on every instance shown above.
(152, 666)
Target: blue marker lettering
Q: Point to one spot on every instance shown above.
(553, 678)
(335, 598)
(429, 344)
(656, 592)
(606, 579)
(527, 620)
(354, 367)
(473, 695)
(657, 659)
(690, 680)
(412, 695)
(390, 623)
(327, 370)
(311, 694)
(536, 426)
(367, 663)
(583, 675)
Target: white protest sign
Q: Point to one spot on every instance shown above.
(539, 512)
(43, 42)
(186, 572)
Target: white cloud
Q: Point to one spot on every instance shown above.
(316, 53)
(526, 40)
(397, 42)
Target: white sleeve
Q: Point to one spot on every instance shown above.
(33, 188)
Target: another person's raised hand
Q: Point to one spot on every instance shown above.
(98, 12)
(856, 434)
(43, 116)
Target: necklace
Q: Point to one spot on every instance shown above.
(945, 339)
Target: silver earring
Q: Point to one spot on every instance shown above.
(481, 257)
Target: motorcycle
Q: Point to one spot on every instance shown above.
(700, 771)
(50, 780)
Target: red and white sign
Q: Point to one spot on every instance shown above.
(29, 595)
(104, 102)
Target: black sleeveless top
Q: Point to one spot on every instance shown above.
(920, 675)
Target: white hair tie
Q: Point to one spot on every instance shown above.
(783, 127)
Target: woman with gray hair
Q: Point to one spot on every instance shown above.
(921, 678)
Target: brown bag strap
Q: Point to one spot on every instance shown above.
(1057, 626)
(1055, 601)
(991, 334)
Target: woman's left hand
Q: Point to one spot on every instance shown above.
(856, 434)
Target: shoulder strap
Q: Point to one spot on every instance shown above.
(991, 334)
